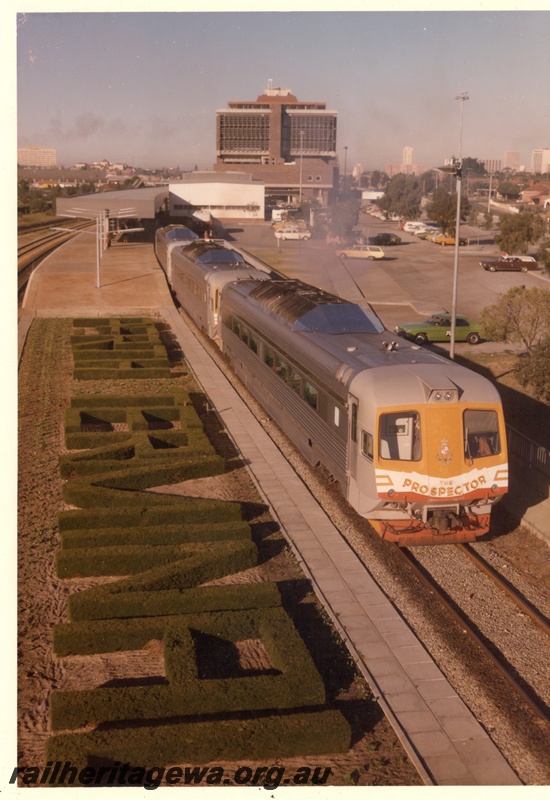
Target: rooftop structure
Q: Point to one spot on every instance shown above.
(288, 144)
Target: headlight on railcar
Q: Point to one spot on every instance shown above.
(443, 395)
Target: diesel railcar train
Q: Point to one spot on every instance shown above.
(415, 442)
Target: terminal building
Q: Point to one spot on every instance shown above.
(287, 144)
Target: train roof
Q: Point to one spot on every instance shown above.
(307, 308)
(338, 329)
(176, 233)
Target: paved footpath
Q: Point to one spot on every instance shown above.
(443, 739)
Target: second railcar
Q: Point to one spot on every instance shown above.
(198, 275)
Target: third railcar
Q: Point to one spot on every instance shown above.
(415, 442)
(167, 239)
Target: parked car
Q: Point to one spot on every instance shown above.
(445, 239)
(293, 232)
(368, 251)
(289, 223)
(427, 233)
(385, 239)
(510, 263)
(411, 227)
(437, 328)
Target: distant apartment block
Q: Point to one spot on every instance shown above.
(512, 160)
(540, 160)
(492, 165)
(36, 157)
(288, 144)
(407, 156)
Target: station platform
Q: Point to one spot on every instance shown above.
(443, 739)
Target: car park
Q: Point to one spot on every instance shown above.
(510, 264)
(437, 328)
(293, 232)
(365, 251)
(385, 239)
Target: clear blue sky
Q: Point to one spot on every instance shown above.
(144, 87)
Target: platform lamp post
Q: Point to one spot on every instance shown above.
(97, 217)
(455, 168)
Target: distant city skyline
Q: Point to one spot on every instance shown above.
(144, 88)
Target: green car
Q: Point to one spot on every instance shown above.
(385, 239)
(437, 328)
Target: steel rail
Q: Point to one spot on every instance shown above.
(507, 587)
(466, 625)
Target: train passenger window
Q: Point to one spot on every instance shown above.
(400, 438)
(311, 395)
(243, 334)
(253, 343)
(353, 431)
(269, 357)
(281, 367)
(367, 443)
(294, 379)
(481, 434)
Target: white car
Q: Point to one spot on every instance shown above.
(292, 233)
(368, 251)
(411, 227)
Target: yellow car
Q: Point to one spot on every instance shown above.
(444, 239)
(368, 251)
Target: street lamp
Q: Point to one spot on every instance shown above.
(455, 168)
(345, 166)
(301, 164)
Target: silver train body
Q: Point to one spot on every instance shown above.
(396, 426)
(167, 239)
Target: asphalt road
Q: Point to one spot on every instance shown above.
(414, 280)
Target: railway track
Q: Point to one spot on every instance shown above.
(469, 627)
(30, 254)
(525, 606)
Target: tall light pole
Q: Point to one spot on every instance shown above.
(455, 169)
(345, 166)
(490, 186)
(301, 164)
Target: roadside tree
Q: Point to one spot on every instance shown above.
(442, 210)
(509, 190)
(343, 218)
(534, 371)
(402, 196)
(472, 166)
(518, 231)
(543, 255)
(520, 315)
